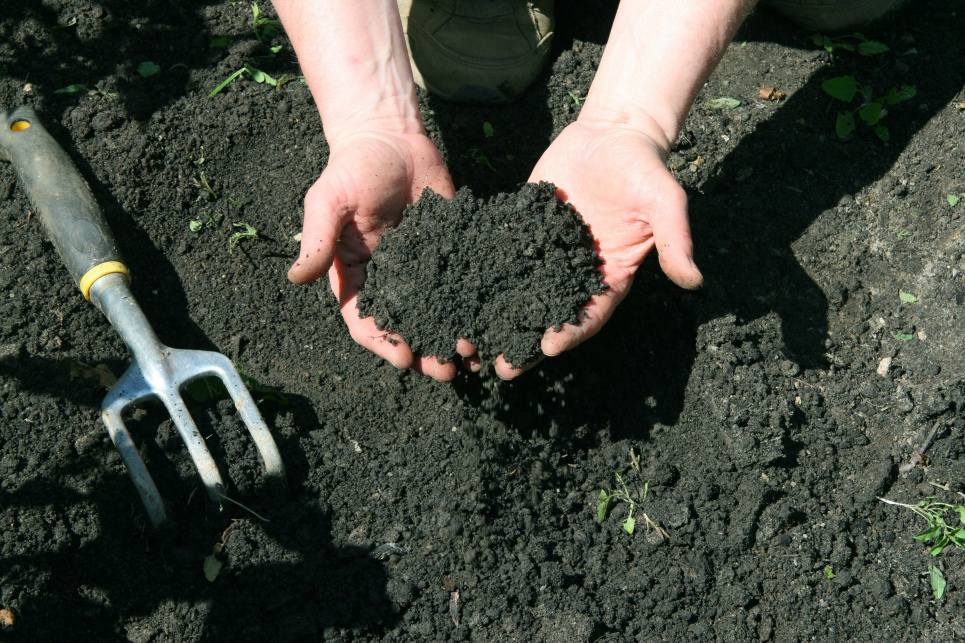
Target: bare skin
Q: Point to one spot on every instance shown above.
(610, 164)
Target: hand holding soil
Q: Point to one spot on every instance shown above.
(369, 179)
(618, 181)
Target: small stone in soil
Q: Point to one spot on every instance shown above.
(498, 273)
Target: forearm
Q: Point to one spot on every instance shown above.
(657, 58)
(354, 59)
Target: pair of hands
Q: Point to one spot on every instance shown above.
(616, 178)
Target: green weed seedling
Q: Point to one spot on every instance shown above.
(938, 583)
(81, 88)
(212, 388)
(480, 157)
(256, 75)
(209, 220)
(828, 572)
(488, 130)
(938, 532)
(609, 497)
(244, 231)
(264, 28)
(953, 199)
(852, 42)
(204, 186)
(871, 109)
(576, 98)
(147, 69)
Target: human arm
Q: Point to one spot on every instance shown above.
(353, 56)
(611, 163)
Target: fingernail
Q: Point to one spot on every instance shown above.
(694, 266)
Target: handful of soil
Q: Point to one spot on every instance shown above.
(497, 273)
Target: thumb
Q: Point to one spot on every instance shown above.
(325, 216)
(671, 235)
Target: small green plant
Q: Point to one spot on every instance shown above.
(248, 509)
(852, 42)
(937, 579)
(264, 28)
(244, 231)
(148, 69)
(871, 109)
(903, 337)
(724, 103)
(907, 297)
(938, 532)
(488, 130)
(212, 220)
(256, 75)
(80, 88)
(219, 42)
(828, 572)
(953, 199)
(609, 497)
(480, 157)
(206, 389)
(576, 98)
(204, 186)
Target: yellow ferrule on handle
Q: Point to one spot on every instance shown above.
(99, 271)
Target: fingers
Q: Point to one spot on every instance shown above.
(671, 234)
(595, 315)
(363, 330)
(325, 217)
(506, 371)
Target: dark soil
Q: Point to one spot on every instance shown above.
(771, 409)
(497, 273)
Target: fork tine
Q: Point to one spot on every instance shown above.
(111, 413)
(197, 449)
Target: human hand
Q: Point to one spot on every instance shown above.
(617, 179)
(369, 179)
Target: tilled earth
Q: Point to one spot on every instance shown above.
(770, 410)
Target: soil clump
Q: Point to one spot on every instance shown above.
(497, 272)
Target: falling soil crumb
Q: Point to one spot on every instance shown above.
(497, 272)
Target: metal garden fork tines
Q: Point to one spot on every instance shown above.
(84, 241)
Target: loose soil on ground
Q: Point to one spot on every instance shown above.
(770, 410)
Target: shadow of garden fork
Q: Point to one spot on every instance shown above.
(84, 241)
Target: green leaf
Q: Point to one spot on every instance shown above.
(953, 200)
(961, 513)
(488, 129)
(73, 89)
(212, 567)
(957, 537)
(937, 581)
(724, 103)
(870, 113)
(844, 125)
(903, 336)
(219, 42)
(929, 534)
(226, 81)
(828, 572)
(939, 546)
(907, 297)
(872, 47)
(196, 225)
(900, 95)
(843, 87)
(259, 76)
(629, 524)
(882, 132)
(148, 69)
(603, 506)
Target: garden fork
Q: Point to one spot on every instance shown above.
(84, 241)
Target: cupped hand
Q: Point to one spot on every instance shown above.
(617, 179)
(369, 179)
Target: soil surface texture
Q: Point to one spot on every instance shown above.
(770, 410)
(497, 273)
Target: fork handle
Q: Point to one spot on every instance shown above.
(62, 198)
